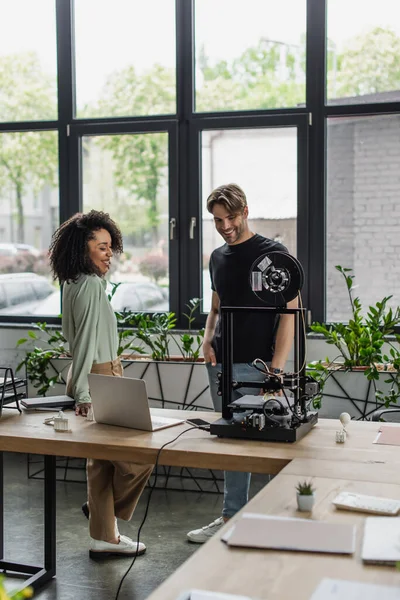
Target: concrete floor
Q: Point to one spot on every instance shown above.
(171, 515)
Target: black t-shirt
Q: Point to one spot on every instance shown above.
(253, 333)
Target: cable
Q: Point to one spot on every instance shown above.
(148, 503)
(290, 406)
(270, 418)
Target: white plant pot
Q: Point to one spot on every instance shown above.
(352, 392)
(169, 384)
(305, 503)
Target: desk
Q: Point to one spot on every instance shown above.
(27, 433)
(279, 575)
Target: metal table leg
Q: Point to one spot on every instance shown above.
(37, 576)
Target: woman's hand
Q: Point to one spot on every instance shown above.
(82, 408)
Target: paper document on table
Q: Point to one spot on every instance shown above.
(204, 595)
(389, 435)
(284, 533)
(337, 589)
(381, 542)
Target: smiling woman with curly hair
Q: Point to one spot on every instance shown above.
(80, 256)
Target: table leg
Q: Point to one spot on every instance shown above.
(37, 576)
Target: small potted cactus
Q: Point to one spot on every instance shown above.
(305, 496)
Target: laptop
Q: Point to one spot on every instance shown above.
(286, 533)
(123, 401)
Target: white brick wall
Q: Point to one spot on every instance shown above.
(363, 191)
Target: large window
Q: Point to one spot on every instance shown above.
(264, 161)
(127, 176)
(141, 108)
(28, 63)
(125, 57)
(29, 208)
(363, 229)
(250, 56)
(363, 51)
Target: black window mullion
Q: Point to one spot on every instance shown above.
(315, 101)
(66, 81)
(187, 202)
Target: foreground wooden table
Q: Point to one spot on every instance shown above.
(279, 575)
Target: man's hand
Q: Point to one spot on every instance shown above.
(83, 408)
(209, 354)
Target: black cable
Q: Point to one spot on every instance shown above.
(148, 504)
(290, 406)
(274, 399)
(270, 418)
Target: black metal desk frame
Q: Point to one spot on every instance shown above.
(36, 576)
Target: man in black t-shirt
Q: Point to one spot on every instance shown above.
(254, 336)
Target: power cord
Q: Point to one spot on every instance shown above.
(148, 502)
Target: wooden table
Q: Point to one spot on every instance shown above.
(27, 433)
(279, 575)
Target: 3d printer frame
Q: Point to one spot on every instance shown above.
(302, 421)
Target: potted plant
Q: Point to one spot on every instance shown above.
(150, 349)
(360, 345)
(305, 496)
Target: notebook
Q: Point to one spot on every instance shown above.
(388, 435)
(123, 401)
(49, 402)
(381, 542)
(285, 533)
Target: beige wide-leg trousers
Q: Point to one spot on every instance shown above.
(114, 487)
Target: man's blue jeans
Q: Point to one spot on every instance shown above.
(236, 486)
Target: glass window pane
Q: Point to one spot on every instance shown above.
(363, 51)
(125, 62)
(263, 162)
(29, 202)
(28, 61)
(127, 176)
(363, 230)
(249, 56)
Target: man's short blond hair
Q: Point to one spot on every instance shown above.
(230, 196)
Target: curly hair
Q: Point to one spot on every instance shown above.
(69, 252)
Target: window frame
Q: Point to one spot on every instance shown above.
(184, 153)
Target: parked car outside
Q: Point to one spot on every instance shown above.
(143, 296)
(22, 293)
(8, 249)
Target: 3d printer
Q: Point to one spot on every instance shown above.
(275, 278)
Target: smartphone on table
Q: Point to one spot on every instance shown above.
(198, 423)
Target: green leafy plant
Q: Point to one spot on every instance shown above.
(305, 488)
(190, 345)
(360, 344)
(138, 334)
(38, 360)
(4, 595)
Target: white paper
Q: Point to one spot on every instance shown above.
(203, 595)
(338, 589)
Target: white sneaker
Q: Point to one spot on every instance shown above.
(199, 536)
(126, 547)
